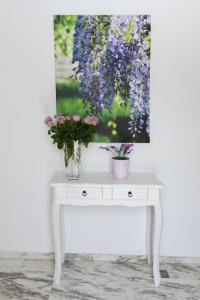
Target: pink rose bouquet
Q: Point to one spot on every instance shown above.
(64, 130)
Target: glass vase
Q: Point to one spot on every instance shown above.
(72, 155)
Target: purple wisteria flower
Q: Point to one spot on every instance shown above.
(114, 59)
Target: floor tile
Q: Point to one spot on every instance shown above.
(87, 278)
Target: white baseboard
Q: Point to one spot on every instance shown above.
(86, 256)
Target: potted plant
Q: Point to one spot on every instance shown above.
(120, 160)
(69, 133)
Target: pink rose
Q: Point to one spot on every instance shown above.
(60, 119)
(48, 121)
(91, 120)
(76, 118)
(68, 118)
(57, 115)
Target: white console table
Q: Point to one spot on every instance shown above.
(100, 189)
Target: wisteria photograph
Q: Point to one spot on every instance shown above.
(103, 68)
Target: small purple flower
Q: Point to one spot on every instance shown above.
(60, 119)
(76, 118)
(113, 147)
(129, 148)
(48, 121)
(121, 151)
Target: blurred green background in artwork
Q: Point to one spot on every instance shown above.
(113, 126)
(68, 102)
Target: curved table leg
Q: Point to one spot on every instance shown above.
(149, 235)
(57, 241)
(156, 244)
(62, 233)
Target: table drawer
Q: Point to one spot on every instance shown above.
(84, 193)
(130, 193)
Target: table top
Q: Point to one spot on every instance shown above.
(105, 179)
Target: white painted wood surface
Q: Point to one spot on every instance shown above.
(106, 179)
(100, 189)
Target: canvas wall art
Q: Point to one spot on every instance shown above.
(103, 68)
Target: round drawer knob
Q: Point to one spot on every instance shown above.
(130, 194)
(84, 193)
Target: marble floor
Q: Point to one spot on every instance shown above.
(88, 278)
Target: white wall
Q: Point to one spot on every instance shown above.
(28, 159)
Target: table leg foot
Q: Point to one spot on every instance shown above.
(56, 279)
(57, 241)
(62, 222)
(157, 281)
(156, 244)
(149, 235)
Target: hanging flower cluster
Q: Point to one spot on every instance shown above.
(112, 57)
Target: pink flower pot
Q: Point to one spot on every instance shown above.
(120, 166)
